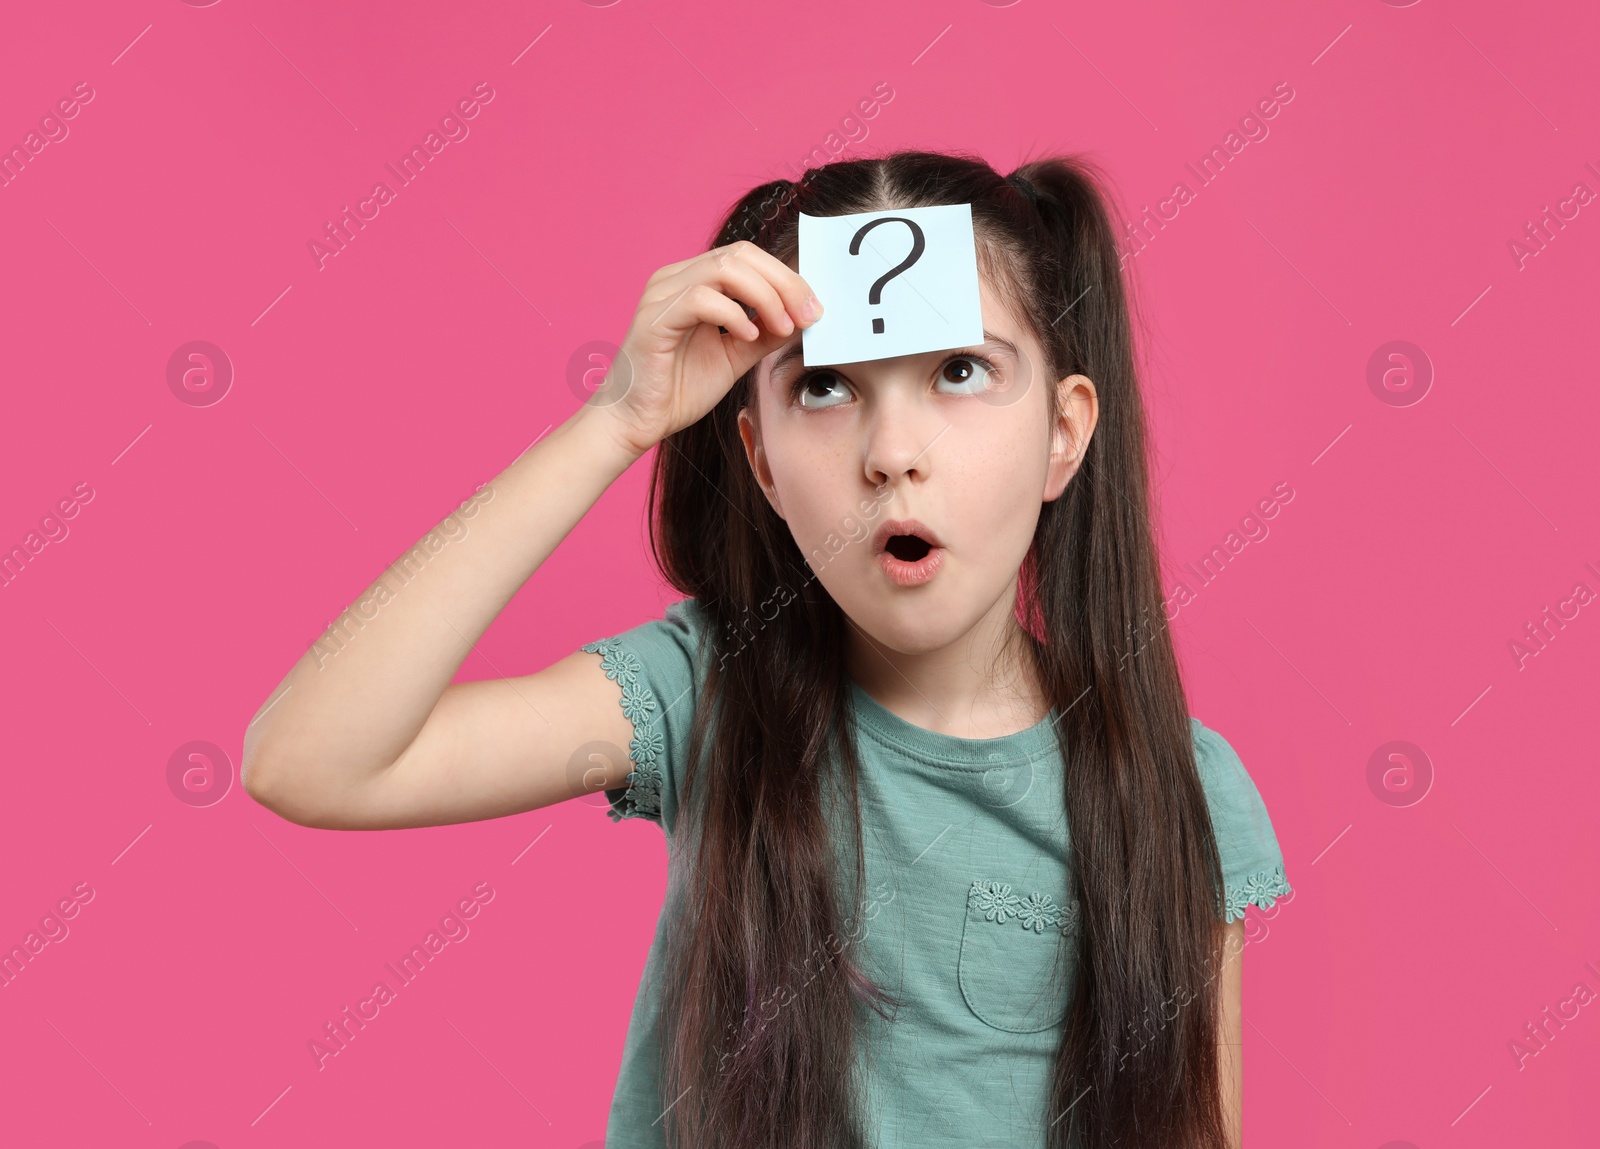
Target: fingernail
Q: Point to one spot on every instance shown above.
(813, 307)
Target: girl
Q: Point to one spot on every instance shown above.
(949, 862)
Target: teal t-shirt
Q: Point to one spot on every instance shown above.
(965, 842)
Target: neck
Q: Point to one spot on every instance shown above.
(982, 685)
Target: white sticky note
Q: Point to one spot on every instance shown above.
(929, 305)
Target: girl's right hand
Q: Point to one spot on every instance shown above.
(674, 364)
(369, 731)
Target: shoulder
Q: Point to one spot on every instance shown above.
(654, 648)
(683, 620)
(1252, 861)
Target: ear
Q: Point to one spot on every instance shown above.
(756, 455)
(1078, 408)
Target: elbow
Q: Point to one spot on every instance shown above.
(269, 787)
(265, 786)
(253, 776)
(257, 774)
(300, 795)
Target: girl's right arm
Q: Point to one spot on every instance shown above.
(368, 732)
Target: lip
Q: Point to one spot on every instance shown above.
(900, 572)
(891, 527)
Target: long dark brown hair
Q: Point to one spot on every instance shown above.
(761, 998)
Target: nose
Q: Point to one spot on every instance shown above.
(899, 436)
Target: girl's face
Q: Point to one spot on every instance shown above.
(956, 447)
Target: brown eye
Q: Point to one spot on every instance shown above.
(820, 389)
(965, 374)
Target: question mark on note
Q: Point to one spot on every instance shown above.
(918, 246)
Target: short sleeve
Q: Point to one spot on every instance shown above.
(656, 664)
(1252, 863)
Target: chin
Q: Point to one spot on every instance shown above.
(907, 622)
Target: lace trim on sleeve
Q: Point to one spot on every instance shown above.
(642, 798)
(1261, 888)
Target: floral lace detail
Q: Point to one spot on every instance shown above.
(642, 799)
(1036, 912)
(1261, 888)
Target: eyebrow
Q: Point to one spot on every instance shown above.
(797, 350)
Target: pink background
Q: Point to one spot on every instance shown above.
(373, 395)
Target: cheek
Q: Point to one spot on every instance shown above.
(998, 466)
(815, 477)
(993, 485)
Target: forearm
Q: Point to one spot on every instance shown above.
(353, 702)
(1230, 1032)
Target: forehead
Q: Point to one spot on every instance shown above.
(1000, 319)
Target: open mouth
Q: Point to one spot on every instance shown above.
(908, 548)
(908, 552)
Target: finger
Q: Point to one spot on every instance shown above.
(750, 313)
(742, 281)
(662, 279)
(742, 356)
(670, 269)
(789, 284)
(791, 287)
(700, 303)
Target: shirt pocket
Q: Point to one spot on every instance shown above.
(1017, 957)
